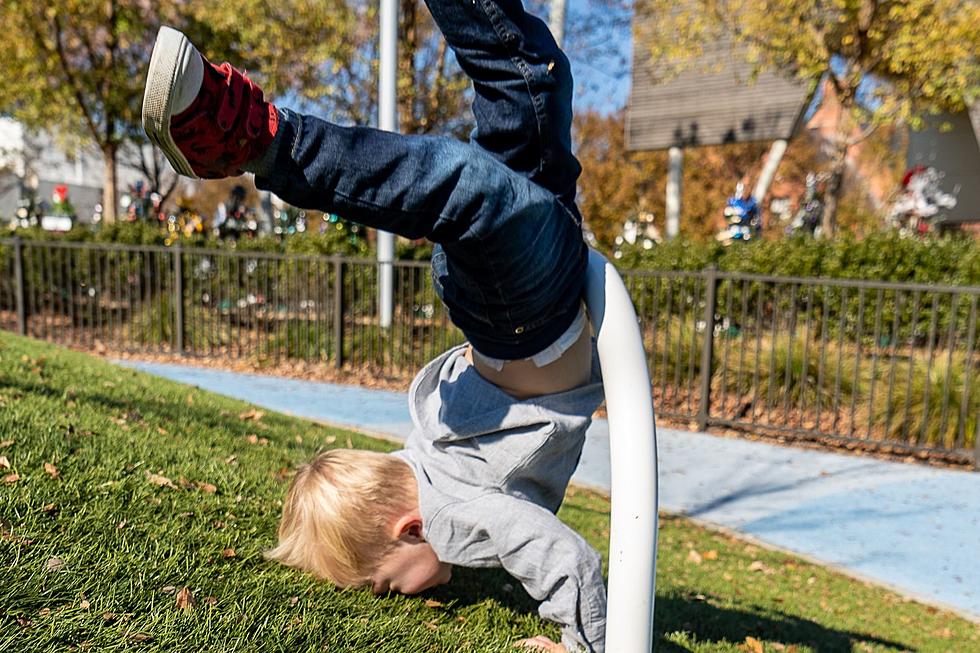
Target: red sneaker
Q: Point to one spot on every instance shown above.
(208, 120)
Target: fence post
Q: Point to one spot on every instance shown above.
(707, 348)
(178, 298)
(19, 290)
(338, 310)
(976, 446)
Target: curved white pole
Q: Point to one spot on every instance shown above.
(633, 458)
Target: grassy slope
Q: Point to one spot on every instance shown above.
(128, 545)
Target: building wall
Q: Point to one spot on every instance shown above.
(956, 154)
(81, 170)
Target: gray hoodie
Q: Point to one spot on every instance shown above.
(492, 471)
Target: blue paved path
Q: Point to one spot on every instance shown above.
(914, 528)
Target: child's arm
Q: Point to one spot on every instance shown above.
(553, 563)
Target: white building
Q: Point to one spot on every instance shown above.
(36, 160)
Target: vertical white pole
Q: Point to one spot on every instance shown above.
(776, 152)
(556, 20)
(675, 172)
(633, 460)
(388, 121)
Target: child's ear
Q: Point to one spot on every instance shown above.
(408, 526)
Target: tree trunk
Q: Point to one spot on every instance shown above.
(109, 201)
(835, 187)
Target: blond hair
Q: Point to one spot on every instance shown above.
(338, 512)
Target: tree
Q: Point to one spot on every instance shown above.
(887, 61)
(77, 67)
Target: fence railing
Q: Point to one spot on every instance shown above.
(861, 363)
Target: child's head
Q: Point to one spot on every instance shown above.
(352, 517)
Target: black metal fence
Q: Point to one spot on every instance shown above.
(858, 362)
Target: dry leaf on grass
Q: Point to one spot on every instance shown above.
(760, 566)
(251, 438)
(49, 507)
(6, 443)
(228, 553)
(4, 462)
(161, 430)
(206, 488)
(140, 637)
(694, 557)
(54, 564)
(162, 481)
(51, 470)
(753, 645)
(710, 555)
(432, 603)
(84, 605)
(10, 479)
(185, 599)
(251, 414)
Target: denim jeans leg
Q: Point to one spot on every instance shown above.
(523, 88)
(514, 256)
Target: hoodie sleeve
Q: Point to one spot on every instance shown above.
(554, 563)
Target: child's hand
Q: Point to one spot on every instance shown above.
(541, 643)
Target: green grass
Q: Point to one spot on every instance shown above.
(128, 546)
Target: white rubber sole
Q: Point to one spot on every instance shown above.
(171, 52)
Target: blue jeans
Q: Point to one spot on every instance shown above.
(510, 260)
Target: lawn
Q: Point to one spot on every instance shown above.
(134, 512)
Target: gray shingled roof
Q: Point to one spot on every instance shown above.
(714, 101)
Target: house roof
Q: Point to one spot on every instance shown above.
(714, 101)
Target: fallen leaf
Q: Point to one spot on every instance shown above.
(211, 601)
(710, 555)
(228, 553)
(4, 462)
(51, 470)
(760, 566)
(207, 488)
(24, 623)
(49, 507)
(694, 557)
(185, 599)
(44, 612)
(6, 443)
(753, 645)
(293, 601)
(161, 430)
(162, 481)
(169, 589)
(140, 637)
(121, 525)
(431, 625)
(55, 564)
(10, 479)
(230, 460)
(251, 414)
(84, 605)
(108, 616)
(432, 603)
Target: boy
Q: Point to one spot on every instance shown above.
(500, 423)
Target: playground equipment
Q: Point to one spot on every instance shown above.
(633, 460)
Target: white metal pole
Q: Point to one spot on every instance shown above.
(556, 20)
(633, 460)
(776, 152)
(388, 121)
(675, 172)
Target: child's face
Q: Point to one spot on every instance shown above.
(410, 568)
